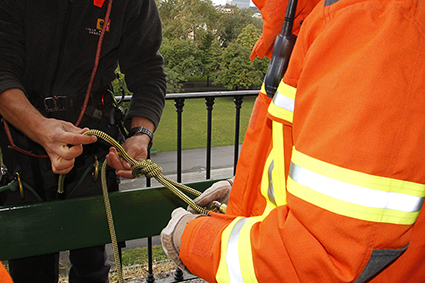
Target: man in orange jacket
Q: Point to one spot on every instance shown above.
(330, 183)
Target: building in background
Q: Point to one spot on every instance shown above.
(241, 4)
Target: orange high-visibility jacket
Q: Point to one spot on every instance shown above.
(273, 14)
(330, 182)
(4, 275)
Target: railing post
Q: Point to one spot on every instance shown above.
(178, 274)
(209, 101)
(150, 278)
(238, 105)
(179, 103)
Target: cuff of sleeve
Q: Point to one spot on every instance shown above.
(200, 245)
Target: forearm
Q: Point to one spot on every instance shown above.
(17, 110)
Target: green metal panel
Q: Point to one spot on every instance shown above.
(81, 222)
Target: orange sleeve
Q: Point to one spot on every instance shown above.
(4, 275)
(200, 245)
(245, 198)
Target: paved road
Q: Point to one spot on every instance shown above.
(193, 166)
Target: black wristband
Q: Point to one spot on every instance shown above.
(141, 130)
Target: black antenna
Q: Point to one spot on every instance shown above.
(283, 45)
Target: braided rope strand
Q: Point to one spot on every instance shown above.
(111, 225)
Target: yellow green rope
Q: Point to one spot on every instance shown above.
(144, 167)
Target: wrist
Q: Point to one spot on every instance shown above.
(141, 130)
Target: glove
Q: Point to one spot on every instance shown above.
(219, 192)
(172, 233)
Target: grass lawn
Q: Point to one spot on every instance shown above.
(194, 119)
(140, 255)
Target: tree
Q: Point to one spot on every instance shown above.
(236, 70)
(184, 18)
(249, 36)
(211, 52)
(174, 80)
(200, 40)
(182, 56)
(232, 24)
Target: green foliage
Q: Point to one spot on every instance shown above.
(183, 18)
(249, 36)
(119, 85)
(232, 24)
(182, 56)
(236, 70)
(196, 36)
(174, 80)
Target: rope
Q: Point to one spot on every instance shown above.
(144, 167)
(151, 170)
(96, 63)
(111, 223)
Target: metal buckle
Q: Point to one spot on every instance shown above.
(55, 103)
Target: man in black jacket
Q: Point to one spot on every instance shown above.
(47, 54)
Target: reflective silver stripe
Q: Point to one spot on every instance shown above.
(353, 193)
(232, 256)
(282, 101)
(270, 191)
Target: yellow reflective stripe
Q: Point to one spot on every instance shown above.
(267, 188)
(222, 271)
(282, 105)
(279, 164)
(354, 194)
(236, 264)
(263, 89)
(245, 250)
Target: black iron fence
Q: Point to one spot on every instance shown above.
(179, 102)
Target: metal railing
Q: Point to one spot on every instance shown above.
(25, 233)
(179, 102)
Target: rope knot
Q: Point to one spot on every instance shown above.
(147, 168)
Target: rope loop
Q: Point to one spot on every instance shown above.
(147, 168)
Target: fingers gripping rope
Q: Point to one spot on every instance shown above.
(144, 167)
(147, 168)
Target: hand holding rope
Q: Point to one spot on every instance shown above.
(139, 168)
(147, 168)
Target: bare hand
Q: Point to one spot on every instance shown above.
(63, 143)
(136, 147)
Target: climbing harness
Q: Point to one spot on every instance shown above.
(17, 185)
(139, 168)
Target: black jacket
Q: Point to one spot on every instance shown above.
(48, 47)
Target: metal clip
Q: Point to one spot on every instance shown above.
(3, 170)
(21, 188)
(95, 173)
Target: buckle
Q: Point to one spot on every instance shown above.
(55, 103)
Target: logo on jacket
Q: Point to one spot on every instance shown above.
(99, 26)
(100, 23)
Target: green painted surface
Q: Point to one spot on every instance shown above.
(75, 223)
